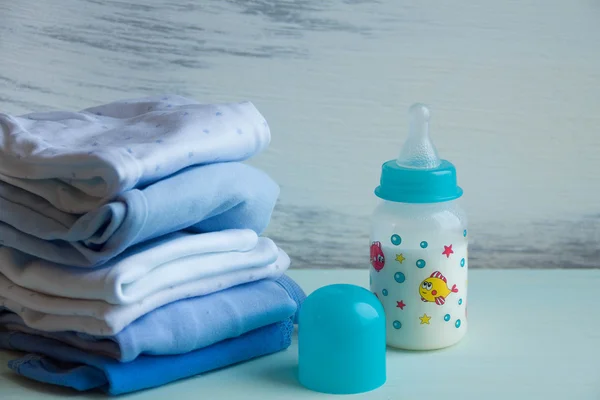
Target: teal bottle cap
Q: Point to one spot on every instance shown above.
(418, 175)
(341, 341)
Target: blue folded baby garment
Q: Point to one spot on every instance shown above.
(186, 325)
(206, 198)
(53, 362)
(77, 161)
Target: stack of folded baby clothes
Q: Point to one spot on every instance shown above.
(130, 247)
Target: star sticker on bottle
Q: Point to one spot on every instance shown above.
(400, 304)
(400, 258)
(447, 251)
(425, 319)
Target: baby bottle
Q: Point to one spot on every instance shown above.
(418, 245)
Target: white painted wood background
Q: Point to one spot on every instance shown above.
(514, 89)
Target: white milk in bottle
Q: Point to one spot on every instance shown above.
(418, 245)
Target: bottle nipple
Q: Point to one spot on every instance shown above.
(418, 150)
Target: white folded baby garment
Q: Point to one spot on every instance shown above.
(79, 160)
(94, 317)
(145, 269)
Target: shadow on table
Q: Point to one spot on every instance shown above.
(282, 376)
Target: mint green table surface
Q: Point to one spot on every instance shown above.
(533, 334)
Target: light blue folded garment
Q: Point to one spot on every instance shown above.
(205, 198)
(186, 325)
(78, 161)
(53, 362)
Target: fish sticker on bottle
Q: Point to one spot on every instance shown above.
(377, 258)
(435, 289)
